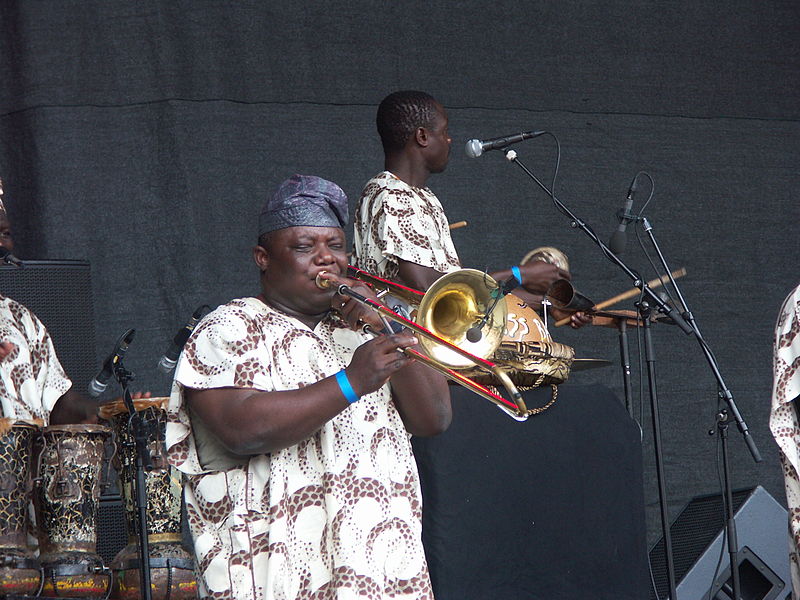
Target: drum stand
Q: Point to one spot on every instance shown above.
(142, 454)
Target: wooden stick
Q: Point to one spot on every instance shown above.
(653, 283)
(458, 225)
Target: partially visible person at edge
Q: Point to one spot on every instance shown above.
(401, 232)
(784, 422)
(33, 384)
(292, 426)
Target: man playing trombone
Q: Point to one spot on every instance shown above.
(401, 232)
(292, 428)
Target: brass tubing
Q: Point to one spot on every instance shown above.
(519, 411)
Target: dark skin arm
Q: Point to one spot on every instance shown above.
(537, 275)
(73, 408)
(422, 398)
(250, 422)
(420, 393)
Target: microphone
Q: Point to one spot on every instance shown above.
(8, 258)
(475, 148)
(619, 238)
(474, 333)
(170, 358)
(99, 384)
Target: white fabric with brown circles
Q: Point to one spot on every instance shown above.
(397, 221)
(31, 376)
(336, 516)
(783, 420)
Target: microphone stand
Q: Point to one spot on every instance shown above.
(650, 299)
(143, 461)
(625, 360)
(724, 394)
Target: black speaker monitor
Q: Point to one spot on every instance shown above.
(700, 552)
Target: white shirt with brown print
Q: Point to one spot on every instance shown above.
(783, 420)
(397, 221)
(31, 376)
(335, 516)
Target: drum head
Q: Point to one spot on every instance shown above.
(113, 408)
(81, 428)
(7, 424)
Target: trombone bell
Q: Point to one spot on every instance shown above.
(454, 304)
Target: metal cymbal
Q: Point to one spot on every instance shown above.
(583, 364)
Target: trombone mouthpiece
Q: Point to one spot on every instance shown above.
(321, 282)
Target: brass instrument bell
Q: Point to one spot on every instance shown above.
(453, 304)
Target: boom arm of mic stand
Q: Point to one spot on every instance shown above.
(651, 299)
(723, 391)
(638, 282)
(672, 312)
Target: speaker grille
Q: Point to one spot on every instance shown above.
(59, 292)
(692, 532)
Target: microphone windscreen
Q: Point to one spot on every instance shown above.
(474, 335)
(166, 364)
(474, 148)
(617, 242)
(96, 388)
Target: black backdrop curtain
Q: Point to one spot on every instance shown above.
(144, 136)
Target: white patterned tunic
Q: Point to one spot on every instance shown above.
(337, 516)
(31, 377)
(397, 221)
(783, 420)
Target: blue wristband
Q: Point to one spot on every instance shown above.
(347, 389)
(517, 275)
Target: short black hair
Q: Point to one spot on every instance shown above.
(399, 115)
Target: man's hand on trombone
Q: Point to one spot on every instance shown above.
(420, 393)
(356, 314)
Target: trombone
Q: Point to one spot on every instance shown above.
(452, 293)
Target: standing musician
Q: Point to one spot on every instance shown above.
(33, 384)
(401, 231)
(784, 422)
(292, 429)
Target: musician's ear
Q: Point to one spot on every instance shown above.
(261, 257)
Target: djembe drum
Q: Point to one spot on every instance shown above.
(67, 495)
(171, 566)
(20, 570)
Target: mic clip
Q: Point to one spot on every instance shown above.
(628, 217)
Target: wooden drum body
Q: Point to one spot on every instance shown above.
(20, 570)
(67, 495)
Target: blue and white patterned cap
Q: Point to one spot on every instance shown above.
(304, 200)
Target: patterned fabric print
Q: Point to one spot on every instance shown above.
(395, 220)
(31, 377)
(336, 516)
(783, 417)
